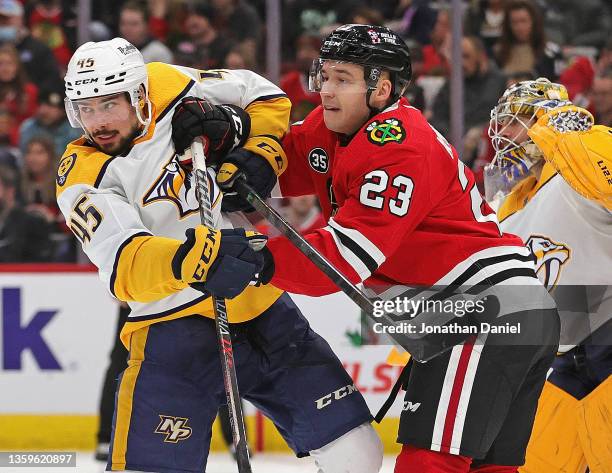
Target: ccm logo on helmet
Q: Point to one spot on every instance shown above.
(335, 396)
(86, 81)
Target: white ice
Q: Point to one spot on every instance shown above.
(217, 463)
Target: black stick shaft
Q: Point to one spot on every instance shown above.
(419, 347)
(226, 351)
(356, 295)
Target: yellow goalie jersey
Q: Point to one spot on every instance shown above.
(131, 212)
(569, 235)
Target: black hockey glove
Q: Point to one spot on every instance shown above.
(244, 164)
(266, 273)
(224, 126)
(219, 262)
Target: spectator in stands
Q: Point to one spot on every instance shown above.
(367, 16)
(578, 22)
(38, 179)
(482, 86)
(414, 19)
(50, 121)
(604, 61)
(485, 19)
(237, 21)
(9, 153)
(314, 16)
(49, 22)
(18, 95)
(295, 82)
(204, 45)
(577, 77)
(24, 236)
(523, 45)
(437, 53)
(235, 59)
(36, 57)
(601, 98)
(414, 92)
(134, 26)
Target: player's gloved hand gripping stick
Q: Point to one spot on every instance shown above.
(221, 321)
(421, 347)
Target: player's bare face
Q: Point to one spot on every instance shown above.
(343, 93)
(110, 120)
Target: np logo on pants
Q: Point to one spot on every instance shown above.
(174, 428)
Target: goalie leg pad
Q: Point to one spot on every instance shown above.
(555, 444)
(595, 427)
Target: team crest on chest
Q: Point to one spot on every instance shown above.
(388, 131)
(176, 184)
(65, 166)
(550, 258)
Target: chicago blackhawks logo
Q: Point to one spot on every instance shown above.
(550, 258)
(177, 185)
(388, 131)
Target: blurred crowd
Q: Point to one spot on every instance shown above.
(504, 41)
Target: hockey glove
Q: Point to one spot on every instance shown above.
(244, 164)
(223, 126)
(219, 262)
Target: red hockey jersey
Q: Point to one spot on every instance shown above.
(401, 209)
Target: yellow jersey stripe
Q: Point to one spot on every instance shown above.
(125, 398)
(250, 303)
(524, 192)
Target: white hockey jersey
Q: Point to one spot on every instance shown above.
(131, 212)
(571, 238)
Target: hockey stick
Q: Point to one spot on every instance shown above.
(230, 381)
(422, 349)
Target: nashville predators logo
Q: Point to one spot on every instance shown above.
(65, 165)
(177, 185)
(389, 131)
(174, 428)
(550, 258)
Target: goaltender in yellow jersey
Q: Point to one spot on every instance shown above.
(552, 174)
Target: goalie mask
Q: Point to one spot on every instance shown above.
(515, 153)
(107, 69)
(376, 48)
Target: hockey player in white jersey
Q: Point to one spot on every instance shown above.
(130, 199)
(552, 175)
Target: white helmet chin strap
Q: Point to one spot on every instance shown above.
(145, 122)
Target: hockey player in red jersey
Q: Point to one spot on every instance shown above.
(403, 210)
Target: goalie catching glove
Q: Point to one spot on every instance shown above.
(224, 127)
(579, 151)
(221, 262)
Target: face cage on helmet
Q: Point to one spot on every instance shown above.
(72, 111)
(513, 162)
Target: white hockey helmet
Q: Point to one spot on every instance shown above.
(107, 68)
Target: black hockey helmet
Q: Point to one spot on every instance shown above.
(376, 48)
